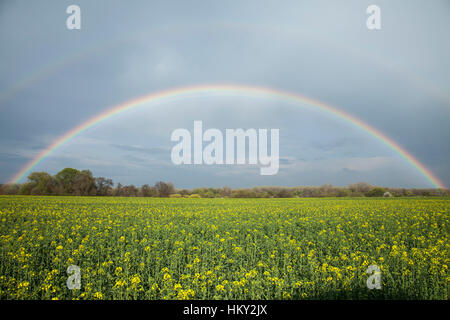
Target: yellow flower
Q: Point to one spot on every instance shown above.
(98, 295)
(24, 285)
(135, 280)
(120, 283)
(220, 288)
(177, 287)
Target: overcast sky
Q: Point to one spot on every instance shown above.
(396, 79)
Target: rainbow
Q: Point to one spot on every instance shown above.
(188, 92)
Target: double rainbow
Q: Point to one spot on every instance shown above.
(233, 90)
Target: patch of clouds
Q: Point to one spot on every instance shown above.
(138, 148)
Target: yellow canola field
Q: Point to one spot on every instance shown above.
(154, 248)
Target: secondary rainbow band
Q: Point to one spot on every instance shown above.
(237, 90)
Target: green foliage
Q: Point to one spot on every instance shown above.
(39, 184)
(376, 192)
(66, 179)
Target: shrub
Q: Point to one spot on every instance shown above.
(376, 192)
(175, 195)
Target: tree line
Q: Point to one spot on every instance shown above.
(71, 181)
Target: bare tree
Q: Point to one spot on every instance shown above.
(164, 189)
(147, 191)
(104, 186)
(84, 184)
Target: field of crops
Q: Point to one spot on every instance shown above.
(154, 248)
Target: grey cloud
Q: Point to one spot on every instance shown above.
(54, 80)
(133, 148)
